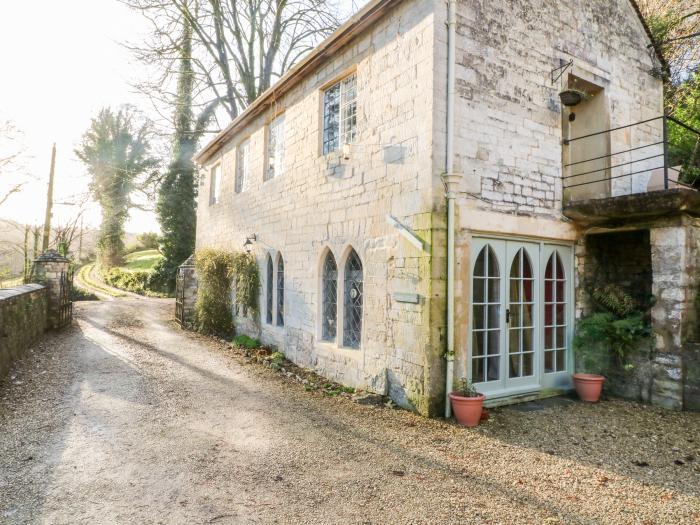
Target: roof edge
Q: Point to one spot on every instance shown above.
(347, 31)
(657, 48)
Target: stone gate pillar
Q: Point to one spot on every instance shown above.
(186, 292)
(674, 254)
(50, 268)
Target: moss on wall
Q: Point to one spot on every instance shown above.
(23, 317)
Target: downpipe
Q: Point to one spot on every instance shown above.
(451, 181)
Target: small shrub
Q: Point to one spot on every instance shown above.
(466, 389)
(243, 341)
(136, 282)
(277, 358)
(215, 270)
(613, 299)
(78, 294)
(602, 340)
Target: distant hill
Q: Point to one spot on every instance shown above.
(12, 243)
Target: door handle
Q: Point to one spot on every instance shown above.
(507, 316)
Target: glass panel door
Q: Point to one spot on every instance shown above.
(487, 315)
(521, 314)
(557, 316)
(520, 323)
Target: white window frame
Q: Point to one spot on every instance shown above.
(345, 122)
(215, 184)
(275, 148)
(242, 179)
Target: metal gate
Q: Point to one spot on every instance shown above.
(65, 302)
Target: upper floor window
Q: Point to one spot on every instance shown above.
(340, 114)
(215, 184)
(275, 149)
(242, 167)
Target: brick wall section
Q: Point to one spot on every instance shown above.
(22, 321)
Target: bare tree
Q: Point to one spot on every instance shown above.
(10, 155)
(238, 48)
(675, 25)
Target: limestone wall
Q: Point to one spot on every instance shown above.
(334, 203)
(23, 318)
(510, 122)
(508, 115)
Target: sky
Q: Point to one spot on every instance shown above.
(62, 61)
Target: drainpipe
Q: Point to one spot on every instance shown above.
(451, 181)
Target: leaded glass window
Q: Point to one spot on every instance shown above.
(340, 114)
(268, 291)
(486, 327)
(352, 303)
(554, 315)
(329, 309)
(242, 167)
(280, 291)
(275, 149)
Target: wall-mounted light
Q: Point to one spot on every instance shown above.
(248, 244)
(572, 97)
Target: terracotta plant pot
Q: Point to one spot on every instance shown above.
(588, 386)
(467, 410)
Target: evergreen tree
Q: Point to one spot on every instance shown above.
(176, 206)
(116, 151)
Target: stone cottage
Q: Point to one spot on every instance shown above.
(427, 189)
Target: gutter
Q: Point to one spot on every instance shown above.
(451, 180)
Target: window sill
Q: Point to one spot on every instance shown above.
(333, 348)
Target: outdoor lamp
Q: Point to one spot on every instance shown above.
(248, 244)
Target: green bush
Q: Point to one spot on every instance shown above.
(215, 271)
(243, 341)
(604, 341)
(277, 358)
(136, 282)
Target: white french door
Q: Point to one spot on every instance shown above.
(520, 305)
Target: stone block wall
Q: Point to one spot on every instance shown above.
(332, 203)
(23, 318)
(622, 259)
(509, 120)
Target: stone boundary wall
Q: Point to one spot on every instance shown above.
(23, 319)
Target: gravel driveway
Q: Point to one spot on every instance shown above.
(126, 419)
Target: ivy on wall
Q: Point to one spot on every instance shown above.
(219, 272)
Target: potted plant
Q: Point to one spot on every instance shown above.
(604, 340)
(467, 404)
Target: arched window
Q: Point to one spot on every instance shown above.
(329, 293)
(280, 291)
(352, 302)
(486, 304)
(268, 291)
(554, 315)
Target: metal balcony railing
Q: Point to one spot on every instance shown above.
(652, 155)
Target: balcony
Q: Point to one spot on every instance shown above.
(637, 171)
